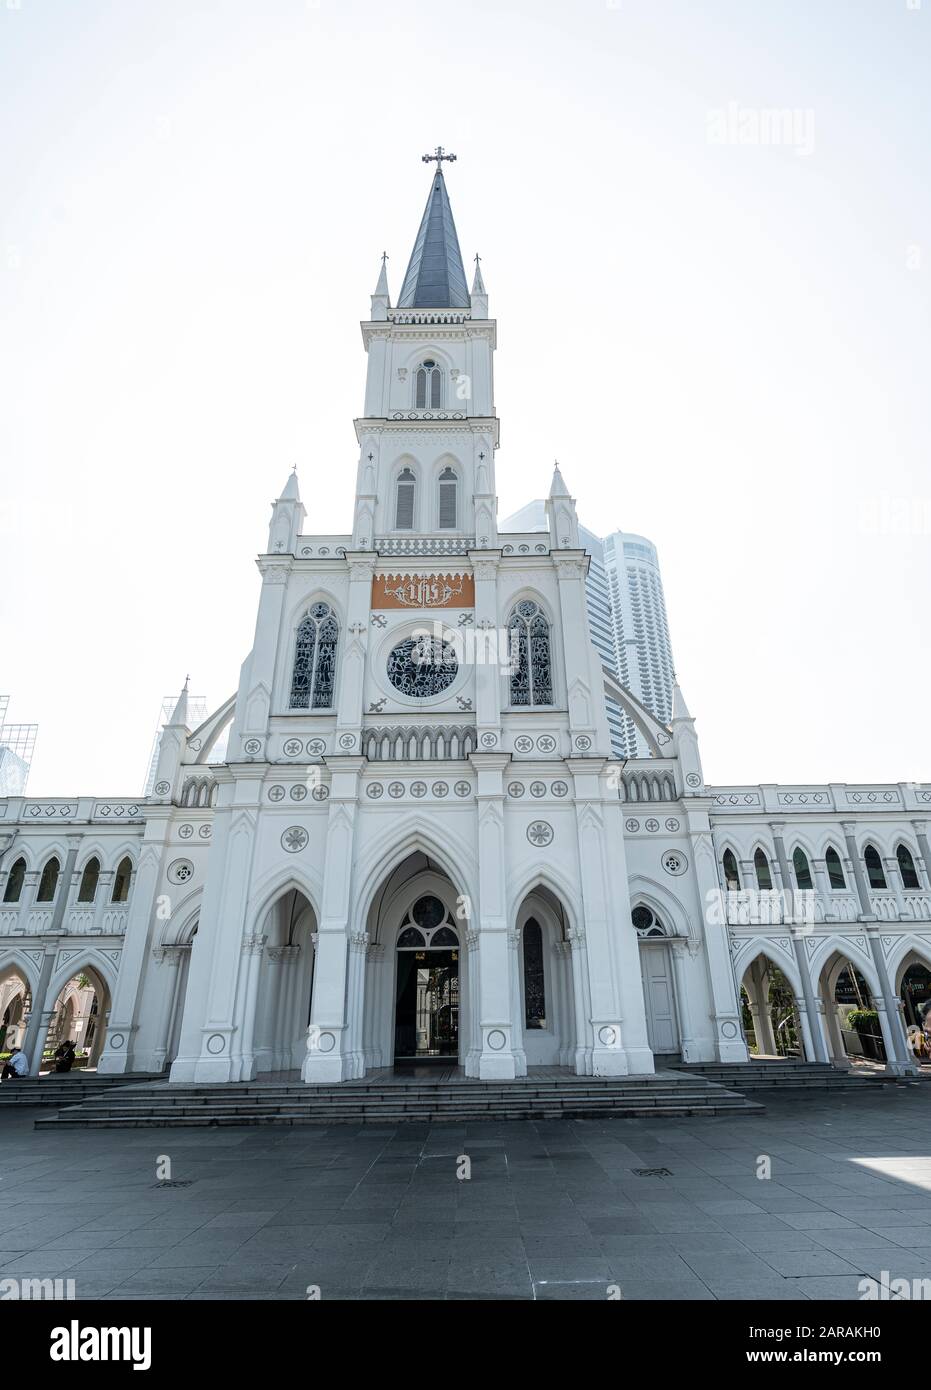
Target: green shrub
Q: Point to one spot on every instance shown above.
(864, 1021)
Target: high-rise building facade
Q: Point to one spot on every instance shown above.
(627, 619)
(17, 743)
(642, 647)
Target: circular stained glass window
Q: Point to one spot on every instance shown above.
(422, 666)
(645, 922)
(428, 913)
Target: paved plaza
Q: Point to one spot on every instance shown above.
(552, 1210)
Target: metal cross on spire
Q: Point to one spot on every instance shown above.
(439, 155)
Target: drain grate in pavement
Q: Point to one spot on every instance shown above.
(652, 1172)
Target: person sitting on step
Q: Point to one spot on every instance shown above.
(16, 1065)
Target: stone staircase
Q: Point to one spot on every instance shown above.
(63, 1089)
(782, 1075)
(160, 1105)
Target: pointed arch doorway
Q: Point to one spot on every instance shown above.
(418, 982)
(657, 977)
(426, 1018)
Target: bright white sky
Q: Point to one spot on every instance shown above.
(725, 345)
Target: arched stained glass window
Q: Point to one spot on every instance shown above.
(802, 870)
(14, 884)
(874, 868)
(731, 876)
(121, 880)
(907, 868)
(314, 677)
(534, 976)
(88, 888)
(835, 869)
(49, 881)
(764, 878)
(529, 652)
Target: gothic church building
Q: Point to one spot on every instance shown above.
(418, 844)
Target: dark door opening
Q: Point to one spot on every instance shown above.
(426, 1026)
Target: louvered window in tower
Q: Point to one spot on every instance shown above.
(449, 486)
(314, 677)
(404, 502)
(428, 388)
(529, 652)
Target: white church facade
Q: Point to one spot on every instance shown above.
(418, 844)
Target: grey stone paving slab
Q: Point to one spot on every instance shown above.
(552, 1210)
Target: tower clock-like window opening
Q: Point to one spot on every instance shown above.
(428, 387)
(404, 502)
(448, 509)
(313, 681)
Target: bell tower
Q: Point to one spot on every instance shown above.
(426, 478)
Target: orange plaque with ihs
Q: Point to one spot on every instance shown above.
(423, 591)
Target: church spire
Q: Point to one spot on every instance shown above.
(558, 485)
(479, 294)
(381, 300)
(180, 714)
(435, 276)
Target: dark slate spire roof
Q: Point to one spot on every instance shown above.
(435, 277)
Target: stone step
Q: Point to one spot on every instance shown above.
(352, 1095)
(782, 1075)
(415, 1103)
(62, 1090)
(388, 1117)
(161, 1105)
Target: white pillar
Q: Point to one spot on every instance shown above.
(726, 1020)
(328, 1040)
(252, 951)
(680, 953)
(164, 980)
(497, 1060)
(582, 999)
(517, 1014)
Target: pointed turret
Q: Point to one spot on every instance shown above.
(179, 715)
(435, 276)
(680, 709)
(561, 515)
(172, 745)
(381, 300)
(685, 743)
(558, 485)
(288, 515)
(479, 294)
